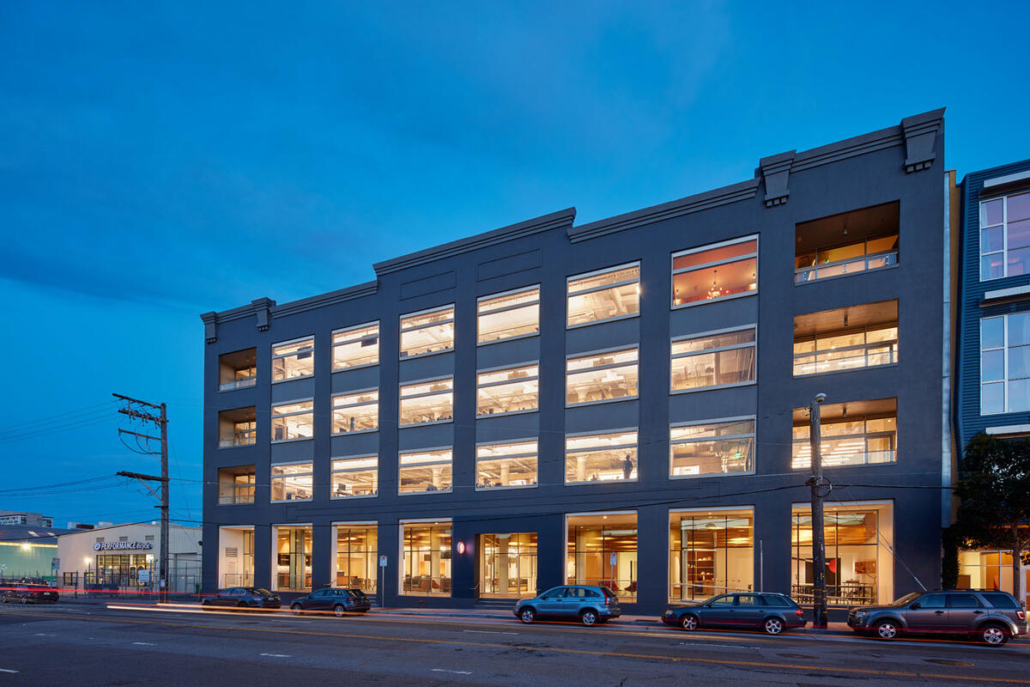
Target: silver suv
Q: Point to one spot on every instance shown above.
(589, 604)
(990, 616)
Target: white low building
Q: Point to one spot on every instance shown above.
(127, 558)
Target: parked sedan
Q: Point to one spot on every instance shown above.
(339, 601)
(773, 613)
(589, 604)
(242, 597)
(28, 593)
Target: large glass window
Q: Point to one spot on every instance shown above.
(237, 370)
(1005, 237)
(292, 481)
(714, 360)
(235, 557)
(509, 315)
(427, 332)
(427, 558)
(848, 243)
(601, 377)
(355, 564)
(1005, 364)
(604, 295)
(294, 420)
(293, 359)
(860, 433)
(356, 346)
(505, 466)
(355, 476)
(712, 552)
(511, 390)
(713, 448)
(237, 427)
(236, 485)
(985, 570)
(508, 565)
(427, 402)
(356, 412)
(846, 338)
(602, 551)
(722, 270)
(601, 457)
(425, 471)
(292, 558)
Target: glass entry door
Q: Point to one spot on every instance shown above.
(507, 565)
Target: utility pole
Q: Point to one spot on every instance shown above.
(136, 410)
(816, 482)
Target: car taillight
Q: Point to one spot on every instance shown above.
(801, 613)
(1021, 615)
(607, 600)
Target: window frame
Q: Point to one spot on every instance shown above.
(593, 354)
(535, 454)
(724, 420)
(344, 330)
(816, 338)
(273, 416)
(1005, 348)
(614, 268)
(333, 470)
(1004, 252)
(512, 292)
(505, 382)
(272, 478)
(401, 398)
(357, 392)
(289, 355)
(717, 263)
(599, 433)
(702, 335)
(400, 466)
(401, 330)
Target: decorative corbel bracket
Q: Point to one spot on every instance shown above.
(262, 307)
(776, 173)
(920, 135)
(210, 327)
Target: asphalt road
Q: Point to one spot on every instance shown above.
(77, 645)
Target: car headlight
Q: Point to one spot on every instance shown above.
(861, 614)
(667, 614)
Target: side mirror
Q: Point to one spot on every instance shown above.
(915, 606)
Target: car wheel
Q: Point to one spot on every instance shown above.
(993, 634)
(296, 609)
(689, 622)
(339, 611)
(588, 617)
(886, 629)
(772, 626)
(241, 604)
(527, 615)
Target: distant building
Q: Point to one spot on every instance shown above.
(11, 517)
(28, 552)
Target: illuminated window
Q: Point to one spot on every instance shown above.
(355, 476)
(1005, 364)
(427, 402)
(237, 427)
(601, 457)
(511, 390)
(427, 558)
(509, 315)
(236, 485)
(356, 346)
(859, 433)
(602, 551)
(714, 360)
(507, 465)
(292, 481)
(712, 553)
(292, 558)
(844, 339)
(431, 331)
(237, 370)
(1005, 237)
(293, 421)
(425, 471)
(293, 359)
(604, 295)
(601, 377)
(356, 564)
(722, 270)
(847, 243)
(713, 448)
(356, 412)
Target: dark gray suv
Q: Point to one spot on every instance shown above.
(990, 616)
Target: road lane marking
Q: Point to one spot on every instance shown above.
(490, 632)
(584, 652)
(456, 672)
(143, 644)
(7, 670)
(44, 634)
(277, 655)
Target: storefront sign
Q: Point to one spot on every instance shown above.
(121, 545)
(143, 576)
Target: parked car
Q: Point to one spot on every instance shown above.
(988, 615)
(242, 597)
(339, 601)
(770, 612)
(589, 604)
(28, 592)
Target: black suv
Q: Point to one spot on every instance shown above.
(991, 616)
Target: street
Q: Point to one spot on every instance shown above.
(119, 644)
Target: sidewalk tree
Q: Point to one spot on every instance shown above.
(994, 493)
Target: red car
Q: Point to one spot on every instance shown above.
(28, 592)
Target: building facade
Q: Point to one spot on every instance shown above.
(993, 365)
(12, 517)
(621, 402)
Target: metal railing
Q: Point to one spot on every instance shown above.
(238, 384)
(841, 268)
(851, 358)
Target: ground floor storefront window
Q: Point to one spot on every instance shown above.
(507, 565)
(292, 557)
(122, 569)
(859, 563)
(991, 570)
(712, 552)
(602, 550)
(235, 557)
(426, 551)
(355, 557)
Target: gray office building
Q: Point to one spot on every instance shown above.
(622, 402)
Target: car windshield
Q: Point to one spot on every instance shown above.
(263, 592)
(906, 599)
(356, 593)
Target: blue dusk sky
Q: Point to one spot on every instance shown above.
(159, 160)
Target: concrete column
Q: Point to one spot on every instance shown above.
(437, 471)
(581, 468)
(505, 471)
